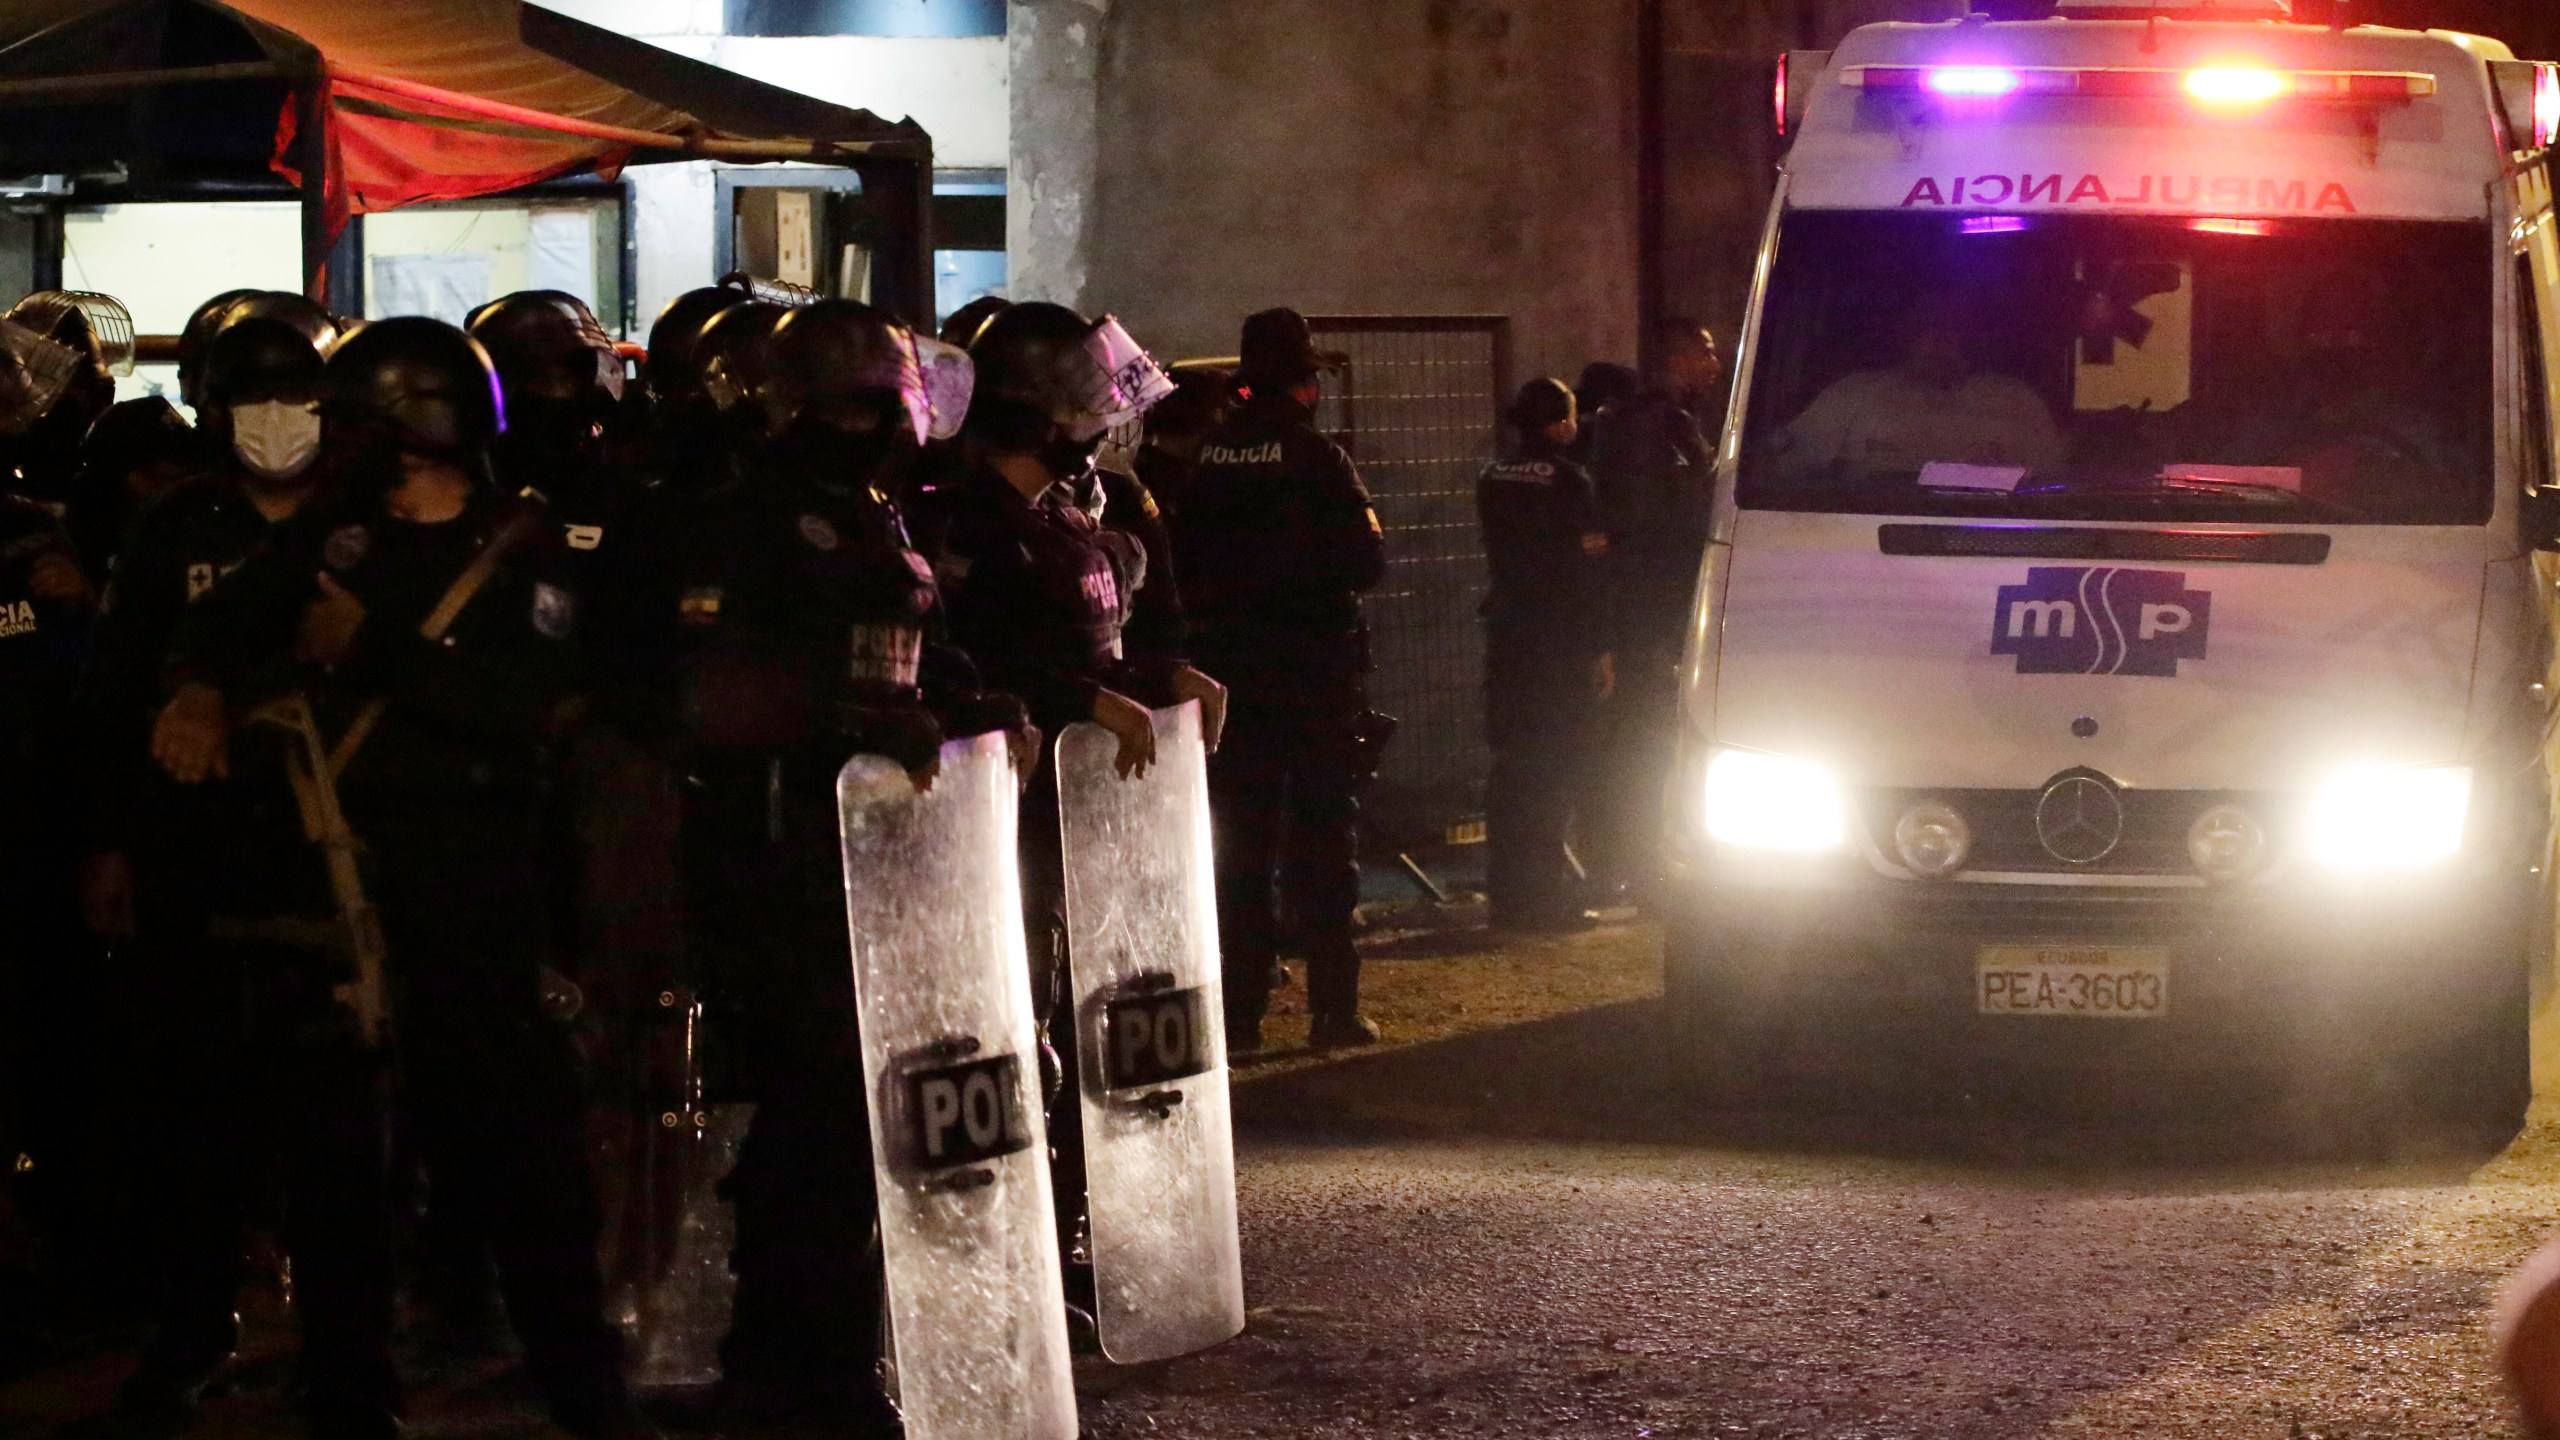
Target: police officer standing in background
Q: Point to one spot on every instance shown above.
(1546, 658)
(432, 617)
(1276, 543)
(1653, 462)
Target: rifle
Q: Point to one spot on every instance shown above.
(313, 766)
(356, 934)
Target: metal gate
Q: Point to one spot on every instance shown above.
(1418, 402)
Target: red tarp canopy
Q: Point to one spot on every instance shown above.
(416, 100)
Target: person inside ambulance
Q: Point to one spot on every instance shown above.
(1935, 405)
(2353, 423)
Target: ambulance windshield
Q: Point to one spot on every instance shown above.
(2329, 372)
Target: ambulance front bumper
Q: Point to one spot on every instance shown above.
(2200, 978)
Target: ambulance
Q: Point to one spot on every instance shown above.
(2122, 662)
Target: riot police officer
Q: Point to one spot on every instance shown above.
(1035, 586)
(1277, 543)
(797, 626)
(166, 859)
(431, 618)
(1546, 657)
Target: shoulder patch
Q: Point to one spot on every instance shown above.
(819, 532)
(584, 537)
(346, 547)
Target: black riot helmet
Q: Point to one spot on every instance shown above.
(199, 332)
(300, 313)
(841, 365)
(256, 360)
(546, 344)
(734, 355)
(673, 369)
(1050, 381)
(418, 382)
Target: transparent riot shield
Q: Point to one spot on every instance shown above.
(671, 1288)
(944, 990)
(1142, 939)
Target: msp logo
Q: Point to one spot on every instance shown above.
(2072, 620)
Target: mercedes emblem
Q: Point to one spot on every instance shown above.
(2080, 818)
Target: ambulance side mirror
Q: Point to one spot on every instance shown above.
(2539, 518)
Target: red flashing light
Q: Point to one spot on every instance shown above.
(2236, 85)
(2216, 84)
(2546, 106)
(2216, 226)
(1782, 97)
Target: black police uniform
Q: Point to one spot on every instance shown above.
(1154, 631)
(447, 795)
(233, 1034)
(795, 618)
(799, 629)
(1276, 543)
(1547, 623)
(1035, 594)
(46, 1110)
(1654, 473)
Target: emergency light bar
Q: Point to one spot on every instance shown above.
(2529, 98)
(2210, 85)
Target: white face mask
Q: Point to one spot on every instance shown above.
(276, 438)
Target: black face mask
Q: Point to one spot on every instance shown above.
(1067, 458)
(551, 428)
(844, 459)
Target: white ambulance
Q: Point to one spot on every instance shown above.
(2124, 648)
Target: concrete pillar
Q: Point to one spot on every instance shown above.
(1053, 58)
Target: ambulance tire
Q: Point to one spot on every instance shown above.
(1719, 1047)
(2481, 1080)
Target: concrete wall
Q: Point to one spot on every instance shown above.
(1186, 162)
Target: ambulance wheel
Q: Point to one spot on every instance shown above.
(2481, 1081)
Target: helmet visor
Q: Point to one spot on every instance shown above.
(948, 380)
(1133, 381)
(34, 371)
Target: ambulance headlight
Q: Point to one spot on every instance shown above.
(2372, 820)
(1932, 838)
(2227, 844)
(1757, 801)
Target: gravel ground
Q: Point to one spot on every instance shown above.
(1517, 1232)
(1498, 1222)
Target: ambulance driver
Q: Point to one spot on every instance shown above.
(1936, 404)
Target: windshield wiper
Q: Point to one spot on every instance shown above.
(2188, 487)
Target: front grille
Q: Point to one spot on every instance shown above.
(2004, 828)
